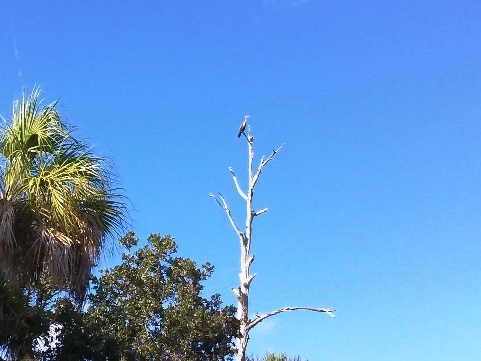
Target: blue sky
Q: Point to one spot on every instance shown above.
(375, 201)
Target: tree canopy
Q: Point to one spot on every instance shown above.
(149, 307)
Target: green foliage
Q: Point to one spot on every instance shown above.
(78, 338)
(57, 204)
(148, 308)
(20, 323)
(275, 357)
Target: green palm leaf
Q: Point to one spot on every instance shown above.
(57, 203)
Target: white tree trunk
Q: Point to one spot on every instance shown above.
(246, 258)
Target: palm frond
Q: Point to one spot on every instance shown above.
(33, 128)
(58, 205)
(7, 239)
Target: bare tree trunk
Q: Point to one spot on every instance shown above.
(245, 238)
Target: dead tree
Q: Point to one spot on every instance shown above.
(245, 238)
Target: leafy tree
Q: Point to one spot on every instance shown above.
(57, 204)
(76, 336)
(148, 308)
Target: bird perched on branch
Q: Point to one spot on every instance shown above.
(243, 126)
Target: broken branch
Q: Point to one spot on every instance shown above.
(259, 212)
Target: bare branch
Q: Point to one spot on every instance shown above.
(225, 207)
(217, 201)
(274, 151)
(263, 162)
(259, 212)
(251, 259)
(247, 283)
(242, 194)
(259, 319)
(249, 137)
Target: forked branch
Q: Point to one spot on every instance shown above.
(263, 162)
(226, 208)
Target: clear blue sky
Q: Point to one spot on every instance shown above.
(374, 203)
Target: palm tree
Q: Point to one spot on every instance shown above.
(57, 204)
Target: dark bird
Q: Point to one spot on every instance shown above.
(243, 126)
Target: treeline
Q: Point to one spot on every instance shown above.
(147, 308)
(58, 212)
